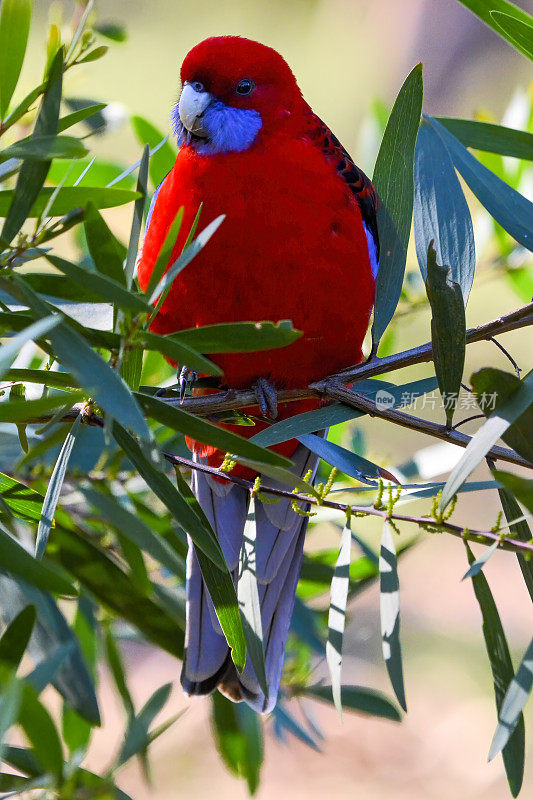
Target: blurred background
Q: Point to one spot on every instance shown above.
(350, 58)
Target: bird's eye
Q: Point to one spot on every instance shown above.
(197, 86)
(245, 86)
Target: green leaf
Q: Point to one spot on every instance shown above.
(17, 561)
(15, 638)
(484, 10)
(132, 527)
(337, 615)
(480, 562)
(394, 181)
(77, 730)
(117, 33)
(170, 414)
(248, 596)
(31, 410)
(9, 708)
(45, 148)
(239, 738)
(47, 377)
(136, 223)
(389, 599)
(239, 337)
(32, 176)
(517, 32)
(514, 701)
(161, 162)
(177, 352)
(14, 29)
(137, 736)
(359, 698)
(521, 530)
(45, 672)
(68, 199)
(491, 138)
(448, 330)
(511, 209)
(350, 463)
(54, 489)
(108, 288)
(165, 253)
(492, 388)
(502, 673)
(22, 501)
(9, 351)
(80, 115)
(94, 55)
(106, 252)
(114, 661)
(41, 732)
(441, 212)
(497, 424)
(522, 488)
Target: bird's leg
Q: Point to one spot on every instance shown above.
(186, 380)
(267, 398)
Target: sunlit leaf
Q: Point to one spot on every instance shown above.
(68, 199)
(337, 615)
(14, 29)
(484, 8)
(239, 738)
(9, 351)
(489, 137)
(390, 612)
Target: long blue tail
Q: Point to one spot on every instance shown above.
(280, 537)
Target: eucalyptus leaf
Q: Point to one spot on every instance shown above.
(514, 701)
(9, 351)
(68, 199)
(45, 148)
(337, 615)
(136, 737)
(358, 698)
(490, 137)
(238, 738)
(14, 30)
(390, 613)
(238, 337)
(161, 162)
(492, 388)
(516, 31)
(106, 252)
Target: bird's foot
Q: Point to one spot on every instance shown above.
(267, 398)
(186, 380)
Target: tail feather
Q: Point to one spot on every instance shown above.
(280, 535)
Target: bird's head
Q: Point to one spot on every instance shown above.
(232, 89)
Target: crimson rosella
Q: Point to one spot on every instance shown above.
(299, 242)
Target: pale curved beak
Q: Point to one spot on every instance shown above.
(191, 106)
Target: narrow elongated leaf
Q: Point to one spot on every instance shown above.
(80, 115)
(41, 732)
(203, 431)
(492, 388)
(9, 351)
(285, 722)
(490, 137)
(480, 562)
(177, 352)
(514, 701)
(137, 738)
(108, 288)
(496, 426)
(511, 209)
(239, 337)
(114, 661)
(185, 258)
(47, 377)
(17, 561)
(24, 105)
(54, 489)
(45, 672)
(165, 253)
(238, 737)
(389, 599)
(90, 370)
(393, 179)
(521, 530)
(9, 708)
(32, 175)
(22, 501)
(106, 252)
(522, 488)
(45, 148)
(15, 638)
(248, 596)
(350, 463)
(517, 32)
(359, 698)
(502, 673)
(14, 29)
(484, 8)
(133, 528)
(161, 162)
(448, 330)
(68, 199)
(441, 213)
(32, 410)
(337, 615)
(136, 223)
(385, 393)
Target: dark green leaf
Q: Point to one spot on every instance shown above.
(22, 501)
(517, 32)
(114, 661)
(494, 387)
(14, 29)
(350, 463)
(106, 252)
(480, 562)
(502, 673)
(165, 253)
(390, 612)
(515, 699)
(441, 212)
(448, 330)
(33, 410)
(522, 488)
(239, 337)
(136, 223)
(31, 177)
(137, 736)
(10, 350)
(80, 115)
(239, 739)
(117, 33)
(9, 708)
(521, 530)
(359, 698)
(491, 138)
(48, 377)
(179, 353)
(393, 179)
(45, 672)
(45, 148)
(161, 162)
(17, 561)
(68, 199)
(41, 732)
(16, 636)
(484, 9)
(511, 209)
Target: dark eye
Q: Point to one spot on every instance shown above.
(197, 86)
(245, 86)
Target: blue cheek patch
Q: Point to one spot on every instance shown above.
(231, 130)
(372, 250)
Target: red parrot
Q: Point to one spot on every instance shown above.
(300, 242)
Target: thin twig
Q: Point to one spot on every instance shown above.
(506, 353)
